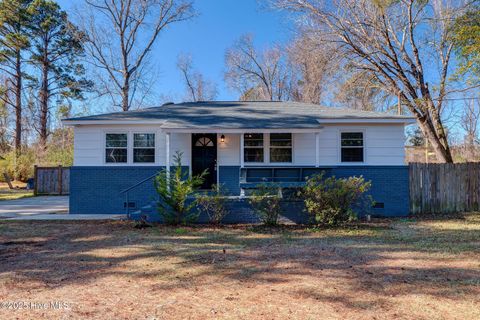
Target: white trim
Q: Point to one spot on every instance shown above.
(217, 167)
(366, 120)
(317, 149)
(266, 151)
(292, 147)
(229, 130)
(339, 146)
(155, 137)
(104, 147)
(257, 130)
(190, 145)
(242, 146)
(111, 122)
(167, 153)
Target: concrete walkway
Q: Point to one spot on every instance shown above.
(46, 208)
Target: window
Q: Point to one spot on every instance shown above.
(352, 146)
(253, 147)
(204, 142)
(116, 147)
(143, 147)
(280, 147)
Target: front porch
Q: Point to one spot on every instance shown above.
(281, 156)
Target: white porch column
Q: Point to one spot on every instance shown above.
(167, 152)
(317, 149)
(242, 160)
(242, 143)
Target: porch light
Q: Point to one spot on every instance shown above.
(222, 138)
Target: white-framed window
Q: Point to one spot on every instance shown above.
(253, 147)
(143, 147)
(352, 147)
(116, 147)
(280, 147)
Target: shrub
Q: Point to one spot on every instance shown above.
(21, 167)
(213, 204)
(332, 201)
(265, 201)
(174, 192)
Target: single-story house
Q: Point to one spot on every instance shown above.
(240, 144)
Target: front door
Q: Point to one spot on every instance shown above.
(204, 157)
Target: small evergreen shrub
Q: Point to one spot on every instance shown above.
(174, 191)
(265, 201)
(332, 201)
(213, 204)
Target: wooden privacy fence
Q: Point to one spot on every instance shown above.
(52, 180)
(444, 188)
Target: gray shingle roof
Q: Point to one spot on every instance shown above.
(238, 115)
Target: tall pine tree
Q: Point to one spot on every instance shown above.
(56, 48)
(14, 21)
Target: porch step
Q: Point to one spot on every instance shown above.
(148, 213)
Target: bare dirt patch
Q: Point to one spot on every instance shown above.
(109, 270)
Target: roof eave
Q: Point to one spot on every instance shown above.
(405, 120)
(73, 122)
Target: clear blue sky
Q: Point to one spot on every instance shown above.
(218, 24)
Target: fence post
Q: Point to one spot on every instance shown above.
(60, 177)
(35, 180)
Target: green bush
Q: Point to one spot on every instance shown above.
(174, 189)
(213, 204)
(332, 201)
(21, 167)
(265, 201)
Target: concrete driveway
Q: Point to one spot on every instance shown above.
(33, 206)
(44, 208)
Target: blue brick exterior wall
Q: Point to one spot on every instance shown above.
(96, 190)
(229, 177)
(390, 185)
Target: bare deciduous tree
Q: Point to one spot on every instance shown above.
(313, 67)
(248, 70)
(470, 121)
(197, 87)
(121, 34)
(361, 90)
(402, 43)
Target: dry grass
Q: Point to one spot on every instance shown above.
(9, 194)
(388, 270)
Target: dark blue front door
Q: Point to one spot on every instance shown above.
(204, 157)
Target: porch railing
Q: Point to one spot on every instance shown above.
(136, 185)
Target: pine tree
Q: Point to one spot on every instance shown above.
(56, 47)
(14, 21)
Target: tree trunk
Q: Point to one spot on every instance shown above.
(442, 153)
(44, 106)
(126, 92)
(18, 104)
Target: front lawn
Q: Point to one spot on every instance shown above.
(9, 194)
(402, 269)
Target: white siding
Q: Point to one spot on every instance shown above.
(304, 149)
(89, 145)
(384, 145)
(179, 142)
(229, 151)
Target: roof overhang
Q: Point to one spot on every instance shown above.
(241, 130)
(404, 121)
(67, 122)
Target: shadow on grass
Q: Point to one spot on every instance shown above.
(55, 254)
